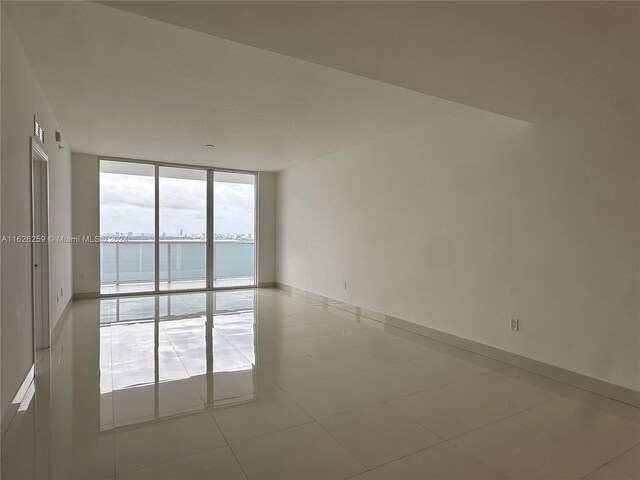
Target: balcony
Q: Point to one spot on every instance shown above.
(130, 266)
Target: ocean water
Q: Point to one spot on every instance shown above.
(232, 259)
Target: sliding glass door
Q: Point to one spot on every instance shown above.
(183, 228)
(234, 227)
(127, 227)
(168, 228)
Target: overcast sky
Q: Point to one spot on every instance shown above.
(126, 205)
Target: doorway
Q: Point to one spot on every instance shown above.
(40, 245)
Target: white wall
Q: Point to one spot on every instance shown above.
(85, 183)
(22, 98)
(460, 223)
(86, 221)
(266, 228)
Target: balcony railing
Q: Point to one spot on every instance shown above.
(180, 260)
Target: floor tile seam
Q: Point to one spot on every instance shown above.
(304, 354)
(554, 441)
(343, 338)
(142, 422)
(406, 415)
(511, 417)
(367, 469)
(335, 373)
(447, 383)
(266, 434)
(492, 422)
(228, 443)
(544, 402)
(607, 420)
(386, 399)
(617, 456)
(189, 376)
(283, 339)
(319, 358)
(164, 462)
(588, 456)
(382, 402)
(517, 381)
(376, 402)
(422, 390)
(442, 441)
(476, 458)
(165, 417)
(419, 357)
(282, 387)
(435, 354)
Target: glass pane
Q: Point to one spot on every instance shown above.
(234, 229)
(127, 227)
(183, 227)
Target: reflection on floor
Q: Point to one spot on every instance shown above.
(226, 282)
(153, 369)
(259, 384)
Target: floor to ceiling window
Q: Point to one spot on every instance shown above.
(175, 228)
(183, 228)
(127, 227)
(234, 226)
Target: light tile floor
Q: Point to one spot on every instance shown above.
(261, 384)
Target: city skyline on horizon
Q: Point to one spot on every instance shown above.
(127, 204)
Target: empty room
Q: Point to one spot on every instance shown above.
(330, 240)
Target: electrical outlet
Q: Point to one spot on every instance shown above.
(515, 324)
(61, 292)
(57, 296)
(345, 285)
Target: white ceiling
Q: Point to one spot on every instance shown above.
(528, 60)
(267, 82)
(124, 85)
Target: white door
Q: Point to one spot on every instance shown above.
(40, 245)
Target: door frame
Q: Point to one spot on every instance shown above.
(40, 245)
